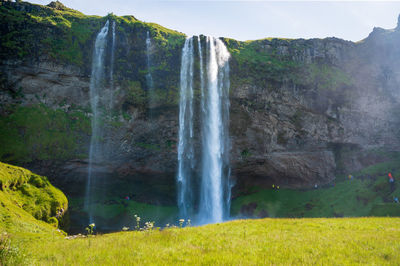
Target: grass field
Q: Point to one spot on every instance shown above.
(241, 242)
(25, 240)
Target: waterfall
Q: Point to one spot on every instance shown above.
(96, 89)
(185, 146)
(215, 148)
(214, 195)
(149, 77)
(112, 66)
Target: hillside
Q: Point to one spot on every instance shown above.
(31, 210)
(28, 199)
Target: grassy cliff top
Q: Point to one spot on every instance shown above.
(66, 35)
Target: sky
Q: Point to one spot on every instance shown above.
(250, 20)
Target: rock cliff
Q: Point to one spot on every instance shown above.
(302, 111)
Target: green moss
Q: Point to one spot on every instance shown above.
(135, 95)
(325, 77)
(23, 193)
(40, 133)
(260, 65)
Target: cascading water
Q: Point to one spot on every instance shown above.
(149, 77)
(96, 88)
(185, 146)
(214, 198)
(215, 161)
(112, 66)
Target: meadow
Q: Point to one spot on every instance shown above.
(308, 241)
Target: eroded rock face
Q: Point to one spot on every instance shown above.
(343, 101)
(45, 82)
(296, 134)
(285, 168)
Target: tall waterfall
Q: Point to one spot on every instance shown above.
(215, 161)
(149, 77)
(96, 90)
(112, 66)
(185, 146)
(213, 170)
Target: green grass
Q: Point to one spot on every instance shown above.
(242, 242)
(260, 63)
(29, 208)
(348, 198)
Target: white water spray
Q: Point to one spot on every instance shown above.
(215, 134)
(214, 197)
(185, 146)
(112, 66)
(96, 89)
(149, 77)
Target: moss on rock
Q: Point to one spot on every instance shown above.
(24, 195)
(38, 132)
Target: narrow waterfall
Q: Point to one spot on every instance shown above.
(112, 66)
(185, 145)
(213, 198)
(96, 88)
(149, 77)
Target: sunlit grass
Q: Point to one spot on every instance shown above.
(241, 242)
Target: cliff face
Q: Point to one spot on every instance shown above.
(325, 113)
(302, 111)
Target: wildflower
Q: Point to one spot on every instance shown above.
(92, 225)
(181, 221)
(125, 228)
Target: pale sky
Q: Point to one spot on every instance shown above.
(249, 20)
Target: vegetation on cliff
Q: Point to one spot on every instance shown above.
(25, 199)
(273, 61)
(66, 35)
(37, 132)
